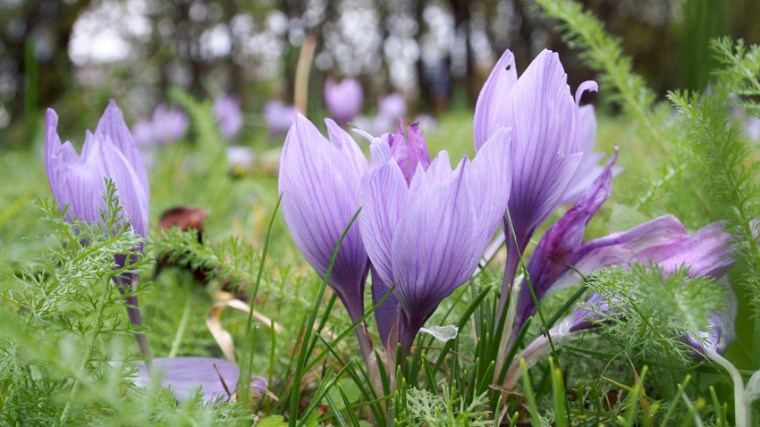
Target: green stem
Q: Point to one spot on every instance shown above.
(741, 414)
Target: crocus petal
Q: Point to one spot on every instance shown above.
(133, 198)
(409, 150)
(708, 252)
(587, 86)
(216, 378)
(492, 98)
(490, 178)
(320, 195)
(621, 248)
(341, 139)
(112, 124)
(435, 247)
(383, 192)
(721, 330)
(388, 312)
(559, 246)
(544, 121)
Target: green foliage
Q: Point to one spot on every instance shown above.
(647, 312)
(66, 357)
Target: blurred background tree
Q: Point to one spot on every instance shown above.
(74, 54)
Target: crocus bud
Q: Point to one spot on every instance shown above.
(78, 183)
(344, 100)
(408, 150)
(278, 116)
(228, 114)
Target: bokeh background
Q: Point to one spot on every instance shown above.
(75, 54)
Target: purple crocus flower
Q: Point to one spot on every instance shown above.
(545, 149)
(78, 183)
(561, 252)
(392, 106)
(708, 252)
(344, 100)
(425, 236)
(228, 114)
(169, 124)
(278, 116)
(215, 378)
(319, 182)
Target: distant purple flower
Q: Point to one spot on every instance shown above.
(752, 129)
(214, 378)
(344, 100)
(78, 182)
(228, 114)
(240, 157)
(278, 116)
(392, 106)
(167, 125)
(319, 182)
(426, 236)
(545, 148)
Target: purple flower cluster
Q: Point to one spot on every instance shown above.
(424, 225)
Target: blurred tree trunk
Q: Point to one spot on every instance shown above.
(38, 53)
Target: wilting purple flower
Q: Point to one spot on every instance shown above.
(228, 114)
(392, 106)
(545, 149)
(215, 378)
(561, 252)
(708, 252)
(278, 116)
(79, 182)
(426, 236)
(319, 182)
(344, 100)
